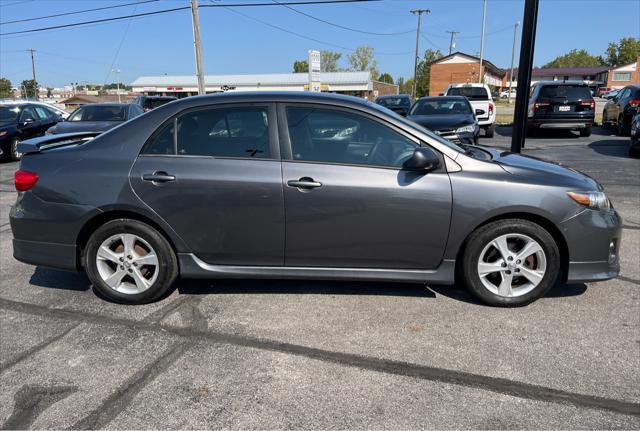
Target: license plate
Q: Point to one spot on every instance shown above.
(564, 108)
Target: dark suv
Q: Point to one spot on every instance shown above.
(620, 110)
(399, 103)
(561, 105)
(147, 103)
(20, 121)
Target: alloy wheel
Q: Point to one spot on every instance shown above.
(15, 154)
(512, 265)
(127, 263)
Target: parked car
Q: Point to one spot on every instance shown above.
(634, 144)
(451, 117)
(561, 105)
(610, 94)
(399, 103)
(505, 94)
(20, 121)
(620, 110)
(97, 117)
(147, 103)
(602, 91)
(480, 97)
(304, 185)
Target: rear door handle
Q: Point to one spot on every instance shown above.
(158, 177)
(304, 183)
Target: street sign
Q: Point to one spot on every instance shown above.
(314, 71)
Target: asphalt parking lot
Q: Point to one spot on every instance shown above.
(301, 354)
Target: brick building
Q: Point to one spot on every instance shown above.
(459, 67)
(624, 75)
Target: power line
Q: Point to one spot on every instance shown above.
(77, 12)
(118, 18)
(341, 26)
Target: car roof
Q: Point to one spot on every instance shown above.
(275, 96)
(581, 83)
(389, 96)
(443, 98)
(160, 97)
(106, 105)
(467, 84)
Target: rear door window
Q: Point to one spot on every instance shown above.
(471, 93)
(42, 113)
(569, 92)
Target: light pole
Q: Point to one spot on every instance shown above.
(33, 70)
(452, 43)
(117, 72)
(484, 20)
(195, 19)
(418, 12)
(513, 53)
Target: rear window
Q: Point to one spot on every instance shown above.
(569, 92)
(394, 101)
(99, 113)
(471, 93)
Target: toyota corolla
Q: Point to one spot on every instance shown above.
(302, 185)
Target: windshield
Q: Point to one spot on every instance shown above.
(441, 107)
(571, 92)
(471, 93)
(9, 114)
(416, 127)
(394, 101)
(99, 113)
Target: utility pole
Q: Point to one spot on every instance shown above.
(117, 73)
(452, 43)
(33, 70)
(418, 12)
(484, 20)
(196, 40)
(513, 54)
(527, 45)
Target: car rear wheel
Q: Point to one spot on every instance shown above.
(623, 129)
(489, 131)
(129, 262)
(15, 154)
(510, 263)
(586, 132)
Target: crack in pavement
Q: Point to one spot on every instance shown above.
(461, 378)
(30, 401)
(35, 349)
(122, 397)
(627, 279)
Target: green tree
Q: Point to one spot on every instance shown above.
(624, 52)
(362, 59)
(405, 85)
(576, 58)
(5, 88)
(29, 87)
(300, 66)
(424, 72)
(385, 77)
(329, 61)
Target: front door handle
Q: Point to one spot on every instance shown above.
(304, 183)
(158, 177)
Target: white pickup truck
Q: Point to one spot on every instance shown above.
(480, 97)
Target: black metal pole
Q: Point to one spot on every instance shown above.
(527, 45)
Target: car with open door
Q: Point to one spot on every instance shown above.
(304, 185)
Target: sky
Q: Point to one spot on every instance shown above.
(234, 43)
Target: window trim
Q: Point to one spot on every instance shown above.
(285, 139)
(274, 148)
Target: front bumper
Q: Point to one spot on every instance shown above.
(593, 239)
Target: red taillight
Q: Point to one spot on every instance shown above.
(635, 103)
(490, 109)
(590, 103)
(24, 180)
(540, 105)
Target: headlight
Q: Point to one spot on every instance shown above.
(3, 133)
(466, 129)
(591, 200)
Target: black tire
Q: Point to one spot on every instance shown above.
(487, 233)
(167, 262)
(605, 123)
(586, 132)
(489, 131)
(623, 129)
(13, 150)
(634, 151)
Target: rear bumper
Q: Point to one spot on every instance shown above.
(556, 123)
(61, 256)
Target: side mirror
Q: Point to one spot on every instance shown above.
(480, 111)
(423, 159)
(27, 121)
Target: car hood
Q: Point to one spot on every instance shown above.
(84, 126)
(442, 122)
(7, 127)
(542, 171)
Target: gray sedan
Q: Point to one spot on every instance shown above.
(301, 185)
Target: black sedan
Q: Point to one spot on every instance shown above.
(620, 110)
(20, 121)
(634, 145)
(97, 117)
(399, 103)
(451, 117)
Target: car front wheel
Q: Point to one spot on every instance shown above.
(15, 154)
(129, 262)
(510, 262)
